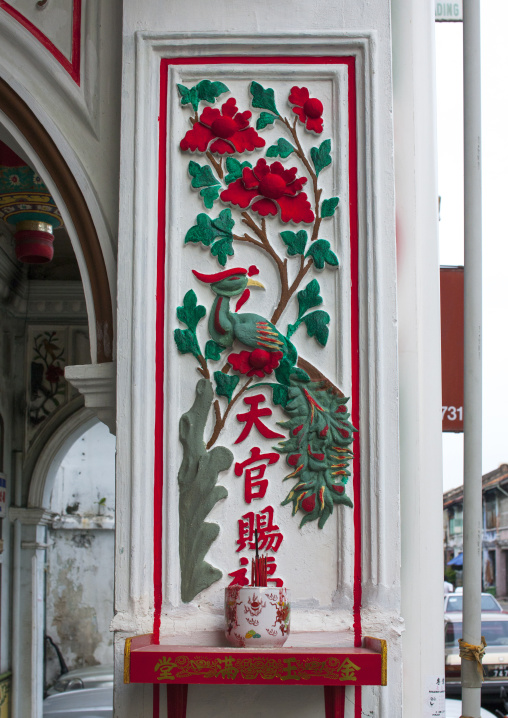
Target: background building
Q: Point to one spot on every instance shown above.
(495, 529)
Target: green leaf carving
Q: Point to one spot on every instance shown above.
(224, 222)
(222, 249)
(285, 372)
(321, 157)
(189, 96)
(317, 325)
(191, 312)
(265, 119)
(329, 206)
(280, 395)
(309, 297)
(225, 384)
(212, 232)
(204, 90)
(320, 252)
(209, 195)
(209, 91)
(282, 148)
(263, 98)
(295, 241)
(202, 175)
(234, 167)
(197, 483)
(204, 231)
(186, 342)
(213, 350)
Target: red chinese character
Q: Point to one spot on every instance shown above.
(271, 567)
(269, 537)
(255, 486)
(253, 418)
(240, 576)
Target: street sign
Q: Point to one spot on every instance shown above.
(452, 348)
(448, 11)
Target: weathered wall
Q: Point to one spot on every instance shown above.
(79, 575)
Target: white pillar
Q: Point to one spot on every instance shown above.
(419, 350)
(28, 610)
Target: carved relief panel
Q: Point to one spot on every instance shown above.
(259, 251)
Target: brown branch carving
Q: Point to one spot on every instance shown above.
(317, 192)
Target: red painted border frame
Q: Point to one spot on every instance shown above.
(349, 61)
(73, 66)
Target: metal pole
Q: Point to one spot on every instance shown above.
(471, 677)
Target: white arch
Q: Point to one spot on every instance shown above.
(46, 467)
(29, 154)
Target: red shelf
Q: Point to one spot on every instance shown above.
(299, 662)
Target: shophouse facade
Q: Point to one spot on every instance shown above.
(495, 529)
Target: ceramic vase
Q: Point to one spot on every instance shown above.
(257, 617)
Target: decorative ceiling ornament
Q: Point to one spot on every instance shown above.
(26, 204)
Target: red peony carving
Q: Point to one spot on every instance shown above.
(276, 187)
(223, 131)
(309, 109)
(256, 363)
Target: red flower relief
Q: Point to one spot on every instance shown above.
(276, 187)
(226, 129)
(309, 109)
(256, 363)
(54, 373)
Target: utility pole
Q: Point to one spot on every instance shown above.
(471, 670)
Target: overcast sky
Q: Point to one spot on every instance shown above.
(495, 201)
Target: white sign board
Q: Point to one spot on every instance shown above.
(449, 11)
(434, 697)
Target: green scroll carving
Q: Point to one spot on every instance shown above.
(197, 478)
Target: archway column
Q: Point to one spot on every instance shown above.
(30, 544)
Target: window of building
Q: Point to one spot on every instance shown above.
(490, 512)
(455, 522)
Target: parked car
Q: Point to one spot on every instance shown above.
(453, 603)
(82, 703)
(494, 627)
(87, 677)
(453, 709)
